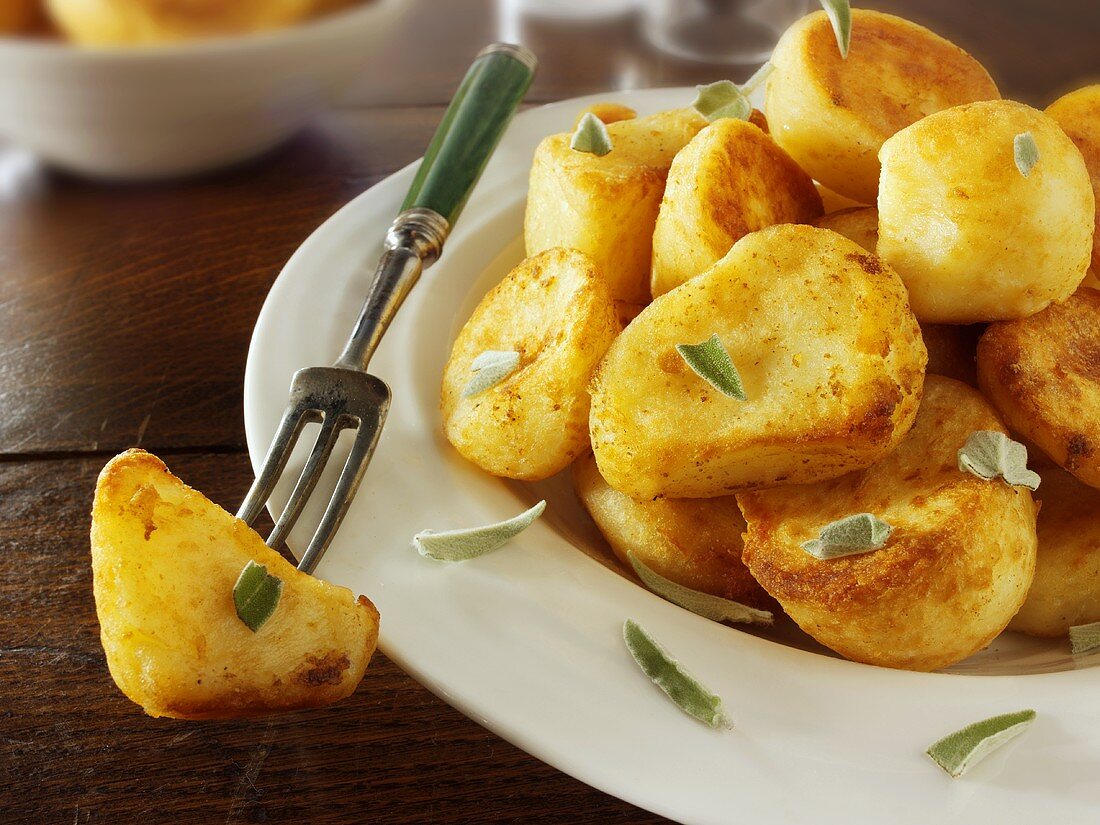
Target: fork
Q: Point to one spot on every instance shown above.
(344, 396)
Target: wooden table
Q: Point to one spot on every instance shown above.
(125, 315)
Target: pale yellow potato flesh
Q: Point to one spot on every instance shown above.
(555, 310)
(953, 572)
(730, 180)
(832, 114)
(859, 224)
(1078, 113)
(830, 356)
(606, 206)
(971, 236)
(833, 202)
(164, 563)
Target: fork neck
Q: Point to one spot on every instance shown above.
(413, 243)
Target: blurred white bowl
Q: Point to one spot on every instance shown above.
(163, 111)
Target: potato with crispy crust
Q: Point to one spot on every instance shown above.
(606, 206)
(832, 114)
(1078, 113)
(973, 238)
(165, 560)
(555, 311)
(730, 180)
(859, 224)
(951, 575)
(829, 354)
(693, 542)
(1043, 375)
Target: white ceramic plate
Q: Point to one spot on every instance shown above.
(528, 641)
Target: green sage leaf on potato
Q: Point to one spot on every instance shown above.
(839, 13)
(989, 454)
(849, 536)
(256, 595)
(710, 361)
(591, 136)
(1025, 152)
(489, 369)
(720, 99)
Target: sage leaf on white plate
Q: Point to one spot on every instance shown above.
(723, 98)
(591, 136)
(1025, 152)
(489, 369)
(839, 13)
(710, 361)
(669, 675)
(849, 536)
(706, 605)
(956, 753)
(1084, 638)
(989, 454)
(471, 542)
(256, 595)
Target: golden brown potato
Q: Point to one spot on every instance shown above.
(627, 312)
(19, 16)
(832, 114)
(607, 112)
(830, 356)
(730, 180)
(164, 563)
(1043, 375)
(693, 542)
(952, 350)
(553, 309)
(1078, 113)
(859, 224)
(607, 206)
(971, 236)
(832, 202)
(953, 572)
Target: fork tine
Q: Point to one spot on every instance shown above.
(294, 418)
(311, 474)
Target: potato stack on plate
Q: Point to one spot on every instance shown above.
(771, 402)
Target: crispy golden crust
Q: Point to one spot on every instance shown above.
(1078, 113)
(1043, 374)
(859, 224)
(952, 574)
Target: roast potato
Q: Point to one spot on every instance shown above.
(971, 236)
(164, 563)
(1078, 113)
(951, 575)
(1043, 375)
(859, 224)
(554, 309)
(730, 180)
(19, 16)
(832, 113)
(606, 206)
(607, 112)
(693, 542)
(830, 356)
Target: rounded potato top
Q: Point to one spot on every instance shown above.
(1078, 113)
(859, 224)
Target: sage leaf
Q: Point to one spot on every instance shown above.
(989, 454)
(758, 78)
(669, 675)
(256, 595)
(1025, 152)
(471, 542)
(710, 361)
(591, 136)
(839, 13)
(706, 605)
(489, 369)
(723, 98)
(1084, 638)
(961, 750)
(848, 536)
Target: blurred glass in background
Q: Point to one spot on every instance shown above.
(720, 31)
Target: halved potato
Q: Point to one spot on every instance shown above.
(953, 572)
(830, 356)
(971, 236)
(1078, 113)
(1043, 375)
(832, 113)
(859, 224)
(554, 309)
(730, 180)
(693, 542)
(164, 563)
(607, 206)
(607, 112)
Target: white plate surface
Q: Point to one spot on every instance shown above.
(528, 642)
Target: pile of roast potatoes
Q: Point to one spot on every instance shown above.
(886, 279)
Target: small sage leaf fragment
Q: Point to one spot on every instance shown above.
(989, 454)
(723, 98)
(591, 136)
(706, 605)
(848, 536)
(1025, 152)
(710, 361)
(839, 13)
(682, 688)
(471, 542)
(956, 753)
(489, 369)
(1084, 638)
(757, 79)
(256, 595)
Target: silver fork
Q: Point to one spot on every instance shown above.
(344, 396)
